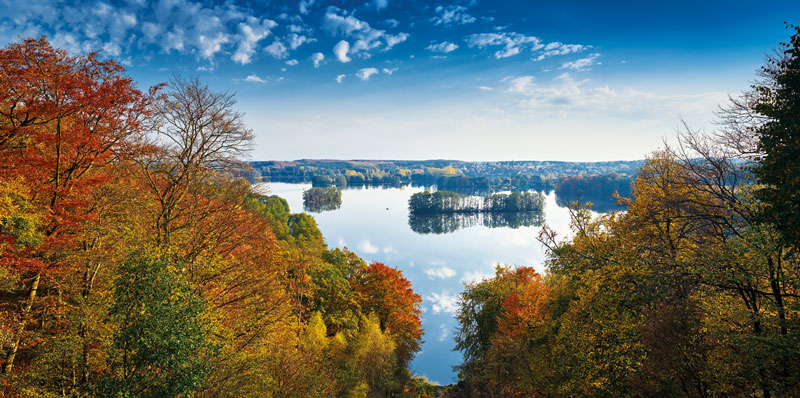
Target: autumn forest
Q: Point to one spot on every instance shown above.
(138, 259)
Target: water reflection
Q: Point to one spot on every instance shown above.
(600, 203)
(319, 208)
(446, 223)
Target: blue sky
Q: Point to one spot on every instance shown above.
(472, 80)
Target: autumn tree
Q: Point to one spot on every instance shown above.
(63, 120)
(385, 293)
(195, 133)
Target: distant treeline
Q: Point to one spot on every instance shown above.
(497, 176)
(599, 190)
(322, 199)
(446, 202)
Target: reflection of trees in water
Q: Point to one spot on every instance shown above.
(446, 223)
(322, 207)
(600, 203)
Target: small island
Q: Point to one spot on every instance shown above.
(317, 199)
(447, 202)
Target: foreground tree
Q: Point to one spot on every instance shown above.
(777, 100)
(161, 347)
(63, 120)
(195, 134)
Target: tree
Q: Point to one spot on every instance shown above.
(388, 295)
(777, 100)
(161, 347)
(63, 120)
(195, 133)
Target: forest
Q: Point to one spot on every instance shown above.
(692, 291)
(138, 260)
(135, 262)
(471, 178)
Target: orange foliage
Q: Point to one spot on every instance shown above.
(386, 293)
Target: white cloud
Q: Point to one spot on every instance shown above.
(390, 71)
(340, 50)
(582, 64)
(558, 48)
(392, 23)
(364, 38)
(210, 45)
(305, 5)
(565, 94)
(203, 29)
(250, 33)
(365, 73)
(296, 40)
(440, 272)
(520, 85)
(486, 88)
(254, 79)
(392, 40)
(388, 249)
(209, 68)
(317, 58)
(341, 242)
(277, 50)
(476, 276)
(444, 332)
(512, 43)
(452, 15)
(444, 302)
(340, 78)
(443, 47)
(366, 247)
(379, 4)
(292, 62)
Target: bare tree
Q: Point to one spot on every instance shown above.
(195, 134)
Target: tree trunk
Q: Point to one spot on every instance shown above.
(21, 328)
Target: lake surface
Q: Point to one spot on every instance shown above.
(374, 223)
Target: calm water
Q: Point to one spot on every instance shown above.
(373, 222)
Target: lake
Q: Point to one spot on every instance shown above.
(374, 223)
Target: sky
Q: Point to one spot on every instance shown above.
(469, 80)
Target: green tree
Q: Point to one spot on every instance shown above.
(778, 100)
(161, 348)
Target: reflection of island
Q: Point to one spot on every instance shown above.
(446, 223)
(317, 200)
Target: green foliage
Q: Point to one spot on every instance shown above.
(322, 199)
(778, 101)
(276, 210)
(161, 347)
(446, 202)
(333, 295)
(303, 229)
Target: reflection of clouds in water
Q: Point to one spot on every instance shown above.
(367, 247)
(444, 302)
(518, 237)
(440, 272)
